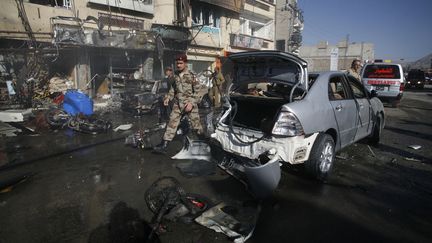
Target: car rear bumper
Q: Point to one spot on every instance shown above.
(293, 150)
(258, 162)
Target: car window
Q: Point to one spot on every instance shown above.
(357, 88)
(337, 90)
(416, 74)
(381, 71)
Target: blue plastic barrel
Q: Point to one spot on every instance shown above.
(76, 102)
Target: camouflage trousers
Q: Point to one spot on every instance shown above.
(215, 96)
(174, 121)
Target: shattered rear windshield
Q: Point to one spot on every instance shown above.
(267, 67)
(381, 71)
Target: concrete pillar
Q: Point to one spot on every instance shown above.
(148, 67)
(82, 71)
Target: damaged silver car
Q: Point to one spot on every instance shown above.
(278, 113)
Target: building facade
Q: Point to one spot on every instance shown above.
(221, 27)
(324, 57)
(289, 24)
(89, 41)
(85, 41)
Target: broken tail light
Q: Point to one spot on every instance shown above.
(287, 124)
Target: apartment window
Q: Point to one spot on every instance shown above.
(54, 3)
(280, 45)
(203, 14)
(253, 28)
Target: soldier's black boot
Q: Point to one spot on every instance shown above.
(162, 147)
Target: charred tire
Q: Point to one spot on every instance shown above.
(321, 157)
(376, 133)
(57, 117)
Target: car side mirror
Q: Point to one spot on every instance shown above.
(373, 93)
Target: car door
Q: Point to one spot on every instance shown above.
(344, 108)
(363, 123)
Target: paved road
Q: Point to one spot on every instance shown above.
(86, 188)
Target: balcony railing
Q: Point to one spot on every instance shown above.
(248, 42)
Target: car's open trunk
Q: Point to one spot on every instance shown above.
(255, 112)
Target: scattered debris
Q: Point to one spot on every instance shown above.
(100, 105)
(415, 147)
(15, 115)
(146, 138)
(392, 162)
(57, 84)
(343, 156)
(372, 152)
(412, 159)
(89, 125)
(59, 118)
(194, 149)
(194, 168)
(8, 130)
(123, 127)
(8, 184)
(235, 221)
(168, 200)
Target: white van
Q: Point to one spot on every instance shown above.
(386, 79)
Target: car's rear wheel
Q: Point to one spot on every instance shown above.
(376, 133)
(321, 157)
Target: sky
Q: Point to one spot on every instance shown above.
(399, 29)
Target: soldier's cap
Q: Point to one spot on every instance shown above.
(181, 57)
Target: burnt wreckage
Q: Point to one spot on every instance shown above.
(117, 62)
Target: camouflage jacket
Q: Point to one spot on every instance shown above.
(185, 88)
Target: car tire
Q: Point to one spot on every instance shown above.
(376, 133)
(321, 157)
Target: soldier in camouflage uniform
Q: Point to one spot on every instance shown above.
(185, 94)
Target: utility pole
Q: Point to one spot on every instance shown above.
(346, 50)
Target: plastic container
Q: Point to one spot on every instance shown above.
(76, 102)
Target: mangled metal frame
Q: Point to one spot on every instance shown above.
(72, 31)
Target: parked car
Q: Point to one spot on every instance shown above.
(386, 79)
(277, 113)
(415, 78)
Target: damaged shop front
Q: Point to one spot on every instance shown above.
(106, 59)
(94, 60)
